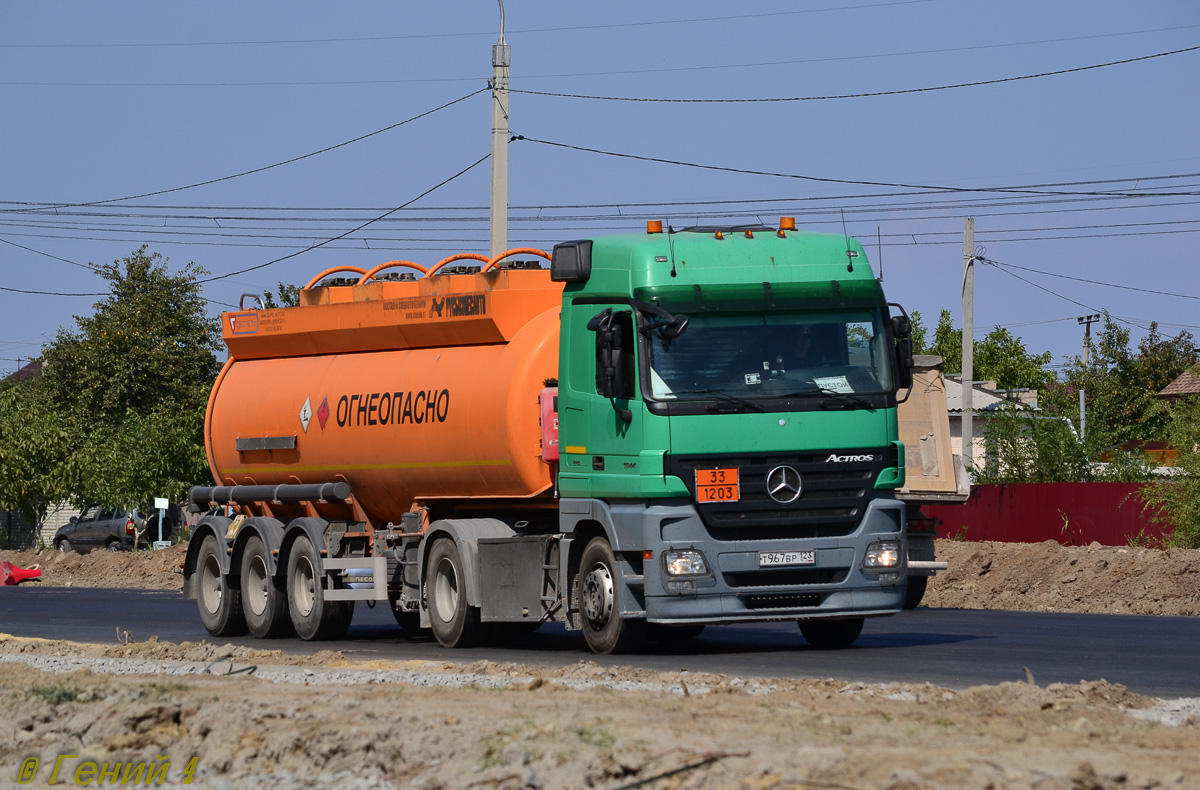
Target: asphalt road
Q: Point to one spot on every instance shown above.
(955, 648)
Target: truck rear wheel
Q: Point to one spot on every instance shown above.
(454, 622)
(831, 634)
(264, 597)
(313, 617)
(219, 604)
(598, 595)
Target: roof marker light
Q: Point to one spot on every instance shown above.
(786, 223)
(654, 226)
(749, 233)
(718, 235)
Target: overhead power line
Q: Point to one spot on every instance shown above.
(340, 236)
(1031, 190)
(1089, 282)
(863, 95)
(491, 33)
(525, 78)
(265, 167)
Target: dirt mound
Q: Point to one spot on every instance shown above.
(246, 731)
(154, 570)
(1048, 577)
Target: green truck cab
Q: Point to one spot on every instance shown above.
(728, 433)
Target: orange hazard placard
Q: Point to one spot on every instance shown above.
(717, 485)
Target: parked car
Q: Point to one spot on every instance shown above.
(113, 529)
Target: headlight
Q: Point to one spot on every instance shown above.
(882, 554)
(685, 562)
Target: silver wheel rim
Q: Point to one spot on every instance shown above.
(210, 584)
(256, 582)
(598, 596)
(445, 590)
(304, 587)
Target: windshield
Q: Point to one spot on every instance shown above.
(773, 355)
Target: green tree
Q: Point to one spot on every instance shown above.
(947, 343)
(35, 459)
(289, 296)
(1175, 502)
(1120, 384)
(919, 344)
(1024, 446)
(1000, 356)
(131, 384)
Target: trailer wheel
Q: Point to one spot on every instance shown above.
(831, 634)
(219, 604)
(313, 617)
(454, 622)
(598, 594)
(915, 591)
(264, 597)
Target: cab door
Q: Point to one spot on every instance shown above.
(614, 411)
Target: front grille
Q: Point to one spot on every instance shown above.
(831, 504)
(788, 577)
(782, 601)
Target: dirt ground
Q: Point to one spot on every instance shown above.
(330, 720)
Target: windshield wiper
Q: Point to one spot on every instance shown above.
(723, 396)
(819, 391)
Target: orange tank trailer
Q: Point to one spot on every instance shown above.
(413, 392)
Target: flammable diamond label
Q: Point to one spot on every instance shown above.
(323, 412)
(306, 413)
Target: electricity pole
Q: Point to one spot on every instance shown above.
(968, 342)
(501, 58)
(1086, 321)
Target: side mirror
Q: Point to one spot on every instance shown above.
(902, 331)
(73, 520)
(614, 361)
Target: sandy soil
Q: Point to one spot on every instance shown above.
(335, 721)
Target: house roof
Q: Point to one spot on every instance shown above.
(30, 370)
(1188, 383)
(981, 399)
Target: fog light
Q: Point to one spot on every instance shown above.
(890, 577)
(685, 562)
(882, 554)
(681, 586)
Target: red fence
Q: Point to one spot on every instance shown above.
(1073, 514)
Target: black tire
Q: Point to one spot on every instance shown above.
(915, 591)
(831, 634)
(114, 546)
(659, 632)
(454, 622)
(598, 596)
(264, 596)
(314, 618)
(64, 546)
(220, 604)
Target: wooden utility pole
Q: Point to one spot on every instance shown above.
(968, 342)
(1086, 321)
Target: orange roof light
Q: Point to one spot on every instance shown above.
(786, 223)
(719, 235)
(749, 233)
(654, 226)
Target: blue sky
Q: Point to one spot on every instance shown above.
(105, 101)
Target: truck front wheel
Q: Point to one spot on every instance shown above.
(831, 634)
(264, 598)
(598, 594)
(313, 617)
(219, 604)
(454, 622)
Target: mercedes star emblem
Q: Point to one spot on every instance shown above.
(783, 484)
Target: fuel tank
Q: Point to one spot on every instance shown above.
(424, 392)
